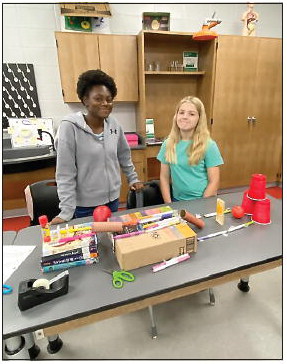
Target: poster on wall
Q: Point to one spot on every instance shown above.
(20, 98)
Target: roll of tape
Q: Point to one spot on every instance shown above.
(41, 283)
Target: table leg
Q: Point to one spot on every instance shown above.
(153, 325)
(15, 348)
(243, 284)
(32, 348)
(211, 297)
(55, 344)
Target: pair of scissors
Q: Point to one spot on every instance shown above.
(7, 289)
(119, 276)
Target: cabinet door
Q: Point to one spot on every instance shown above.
(77, 53)
(118, 58)
(244, 66)
(267, 129)
(138, 158)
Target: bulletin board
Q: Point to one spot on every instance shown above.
(20, 98)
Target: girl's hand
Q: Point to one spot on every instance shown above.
(57, 220)
(136, 186)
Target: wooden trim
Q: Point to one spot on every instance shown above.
(185, 73)
(161, 298)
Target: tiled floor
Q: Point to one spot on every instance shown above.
(239, 326)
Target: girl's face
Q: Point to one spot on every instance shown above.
(99, 102)
(187, 117)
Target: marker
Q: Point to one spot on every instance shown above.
(214, 213)
(164, 223)
(68, 230)
(127, 235)
(168, 263)
(232, 228)
(75, 237)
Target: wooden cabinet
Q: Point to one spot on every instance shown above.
(139, 161)
(161, 90)
(240, 84)
(15, 183)
(114, 54)
(247, 120)
(77, 53)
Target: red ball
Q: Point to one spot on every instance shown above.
(237, 212)
(101, 213)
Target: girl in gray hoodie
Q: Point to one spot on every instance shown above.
(91, 149)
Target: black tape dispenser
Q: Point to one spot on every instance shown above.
(33, 292)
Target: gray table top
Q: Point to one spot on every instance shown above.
(9, 237)
(91, 290)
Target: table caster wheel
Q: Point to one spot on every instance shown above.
(54, 346)
(243, 286)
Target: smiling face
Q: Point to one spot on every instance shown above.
(187, 117)
(99, 102)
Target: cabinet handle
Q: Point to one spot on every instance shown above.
(253, 119)
(249, 118)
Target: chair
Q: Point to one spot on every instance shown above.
(42, 199)
(151, 195)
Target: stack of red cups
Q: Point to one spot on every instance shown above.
(254, 200)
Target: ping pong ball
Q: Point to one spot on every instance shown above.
(237, 212)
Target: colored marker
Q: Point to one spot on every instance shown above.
(127, 235)
(232, 228)
(75, 237)
(168, 263)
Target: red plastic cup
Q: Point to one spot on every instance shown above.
(261, 213)
(257, 189)
(247, 204)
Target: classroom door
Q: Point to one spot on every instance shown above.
(247, 84)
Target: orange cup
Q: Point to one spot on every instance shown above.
(257, 189)
(247, 204)
(261, 213)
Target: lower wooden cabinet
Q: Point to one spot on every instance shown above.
(139, 161)
(14, 185)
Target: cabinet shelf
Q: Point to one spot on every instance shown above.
(185, 73)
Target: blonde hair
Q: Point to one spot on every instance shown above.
(200, 135)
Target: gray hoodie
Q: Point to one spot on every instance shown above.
(88, 169)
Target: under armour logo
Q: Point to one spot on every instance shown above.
(113, 131)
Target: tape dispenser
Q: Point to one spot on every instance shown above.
(33, 292)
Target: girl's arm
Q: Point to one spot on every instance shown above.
(213, 174)
(164, 182)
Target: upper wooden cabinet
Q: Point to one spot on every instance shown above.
(240, 84)
(160, 90)
(114, 54)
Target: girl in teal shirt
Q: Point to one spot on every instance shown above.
(189, 157)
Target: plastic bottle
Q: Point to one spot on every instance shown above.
(45, 228)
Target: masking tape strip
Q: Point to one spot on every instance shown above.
(41, 283)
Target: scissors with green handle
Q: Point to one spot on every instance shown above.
(119, 276)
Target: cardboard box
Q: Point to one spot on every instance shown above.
(86, 9)
(155, 246)
(156, 21)
(190, 61)
(149, 128)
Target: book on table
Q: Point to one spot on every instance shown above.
(69, 247)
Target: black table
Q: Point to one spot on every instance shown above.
(92, 297)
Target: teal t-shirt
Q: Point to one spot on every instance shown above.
(189, 182)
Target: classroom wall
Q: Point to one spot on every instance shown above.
(28, 37)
